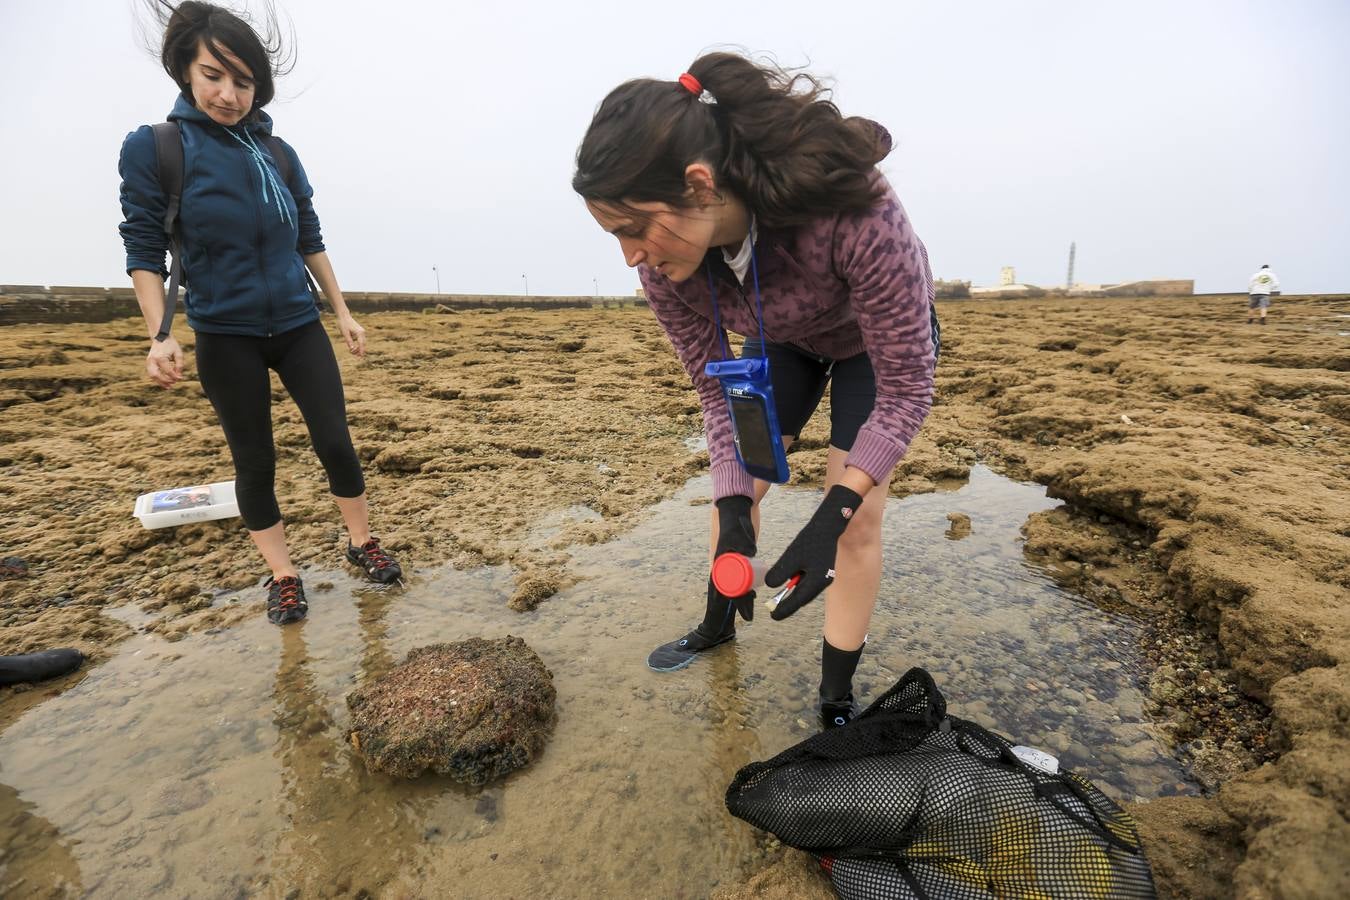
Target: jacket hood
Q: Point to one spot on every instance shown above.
(257, 122)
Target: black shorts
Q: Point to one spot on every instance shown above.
(799, 378)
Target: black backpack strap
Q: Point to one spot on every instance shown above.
(282, 159)
(169, 155)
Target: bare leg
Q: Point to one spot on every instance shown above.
(849, 601)
(271, 543)
(356, 515)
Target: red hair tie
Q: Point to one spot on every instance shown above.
(693, 86)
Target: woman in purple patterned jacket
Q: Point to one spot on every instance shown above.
(743, 184)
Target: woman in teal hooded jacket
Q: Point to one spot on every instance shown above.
(247, 237)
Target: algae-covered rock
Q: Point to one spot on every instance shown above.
(474, 710)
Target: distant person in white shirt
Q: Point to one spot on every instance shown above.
(1262, 285)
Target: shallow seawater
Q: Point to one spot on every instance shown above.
(218, 766)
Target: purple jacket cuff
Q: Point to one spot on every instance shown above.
(876, 454)
(729, 479)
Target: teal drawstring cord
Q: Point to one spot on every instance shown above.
(264, 173)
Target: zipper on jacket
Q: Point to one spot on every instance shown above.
(258, 245)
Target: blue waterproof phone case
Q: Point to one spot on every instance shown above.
(754, 416)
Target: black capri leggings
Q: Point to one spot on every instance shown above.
(233, 371)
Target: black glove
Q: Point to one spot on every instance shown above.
(735, 534)
(811, 554)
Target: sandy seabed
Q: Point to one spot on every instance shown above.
(1204, 463)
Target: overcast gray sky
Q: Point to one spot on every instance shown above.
(1169, 139)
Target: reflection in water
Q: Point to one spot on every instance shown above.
(372, 605)
(733, 745)
(35, 861)
(323, 788)
(218, 766)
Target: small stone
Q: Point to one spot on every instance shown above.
(959, 526)
(486, 807)
(13, 567)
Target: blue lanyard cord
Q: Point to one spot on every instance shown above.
(264, 174)
(759, 309)
(717, 315)
(759, 303)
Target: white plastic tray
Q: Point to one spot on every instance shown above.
(178, 506)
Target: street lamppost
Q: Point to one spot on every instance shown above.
(437, 273)
(526, 278)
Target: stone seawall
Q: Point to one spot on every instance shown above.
(59, 304)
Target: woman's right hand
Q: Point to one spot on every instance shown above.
(164, 362)
(735, 534)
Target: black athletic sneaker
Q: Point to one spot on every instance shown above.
(837, 713)
(378, 565)
(678, 654)
(286, 600)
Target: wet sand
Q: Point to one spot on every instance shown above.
(1203, 462)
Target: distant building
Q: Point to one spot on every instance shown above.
(1156, 287)
(1009, 288)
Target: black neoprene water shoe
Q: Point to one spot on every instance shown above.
(678, 654)
(838, 713)
(39, 666)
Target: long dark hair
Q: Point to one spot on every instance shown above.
(193, 22)
(773, 138)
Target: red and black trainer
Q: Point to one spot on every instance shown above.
(286, 600)
(378, 565)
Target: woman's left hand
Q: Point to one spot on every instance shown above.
(353, 334)
(811, 555)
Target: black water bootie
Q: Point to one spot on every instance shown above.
(838, 713)
(39, 666)
(678, 654)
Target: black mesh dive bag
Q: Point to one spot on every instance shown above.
(908, 803)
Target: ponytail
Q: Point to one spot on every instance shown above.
(772, 137)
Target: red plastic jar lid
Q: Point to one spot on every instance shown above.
(733, 574)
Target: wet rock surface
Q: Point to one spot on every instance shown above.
(474, 710)
(1194, 697)
(1215, 452)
